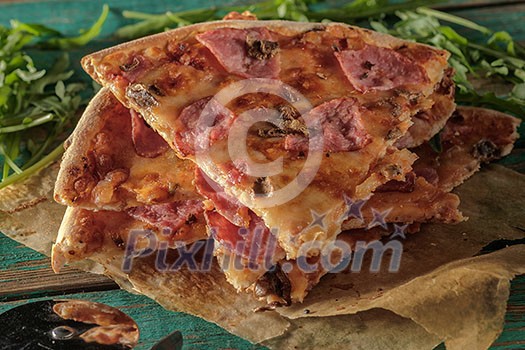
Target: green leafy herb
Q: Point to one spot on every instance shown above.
(435, 143)
(37, 107)
(293, 10)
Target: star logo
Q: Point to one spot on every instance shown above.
(379, 219)
(353, 208)
(399, 230)
(318, 219)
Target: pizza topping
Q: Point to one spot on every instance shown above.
(249, 53)
(288, 124)
(204, 122)
(128, 67)
(274, 282)
(228, 206)
(342, 127)
(105, 188)
(146, 141)
(262, 186)
(486, 150)
(170, 215)
(255, 242)
(156, 90)
(261, 49)
(140, 94)
(379, 68)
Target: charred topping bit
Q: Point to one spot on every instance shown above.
(340, 45)
(276, 283)
(128, 67)
(262, 186)
(486, 150)
(367, 65)
(117, 240)
(139, 94)
(191, 219)
(270, 131)
(288, 124)
(287, 111)
(363, 76)
(156, 90)
(261, 49)
(321, 75)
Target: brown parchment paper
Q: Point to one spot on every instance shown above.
(441, 292)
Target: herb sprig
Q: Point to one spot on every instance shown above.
(498, 57)
(293, 10)
(37, 106)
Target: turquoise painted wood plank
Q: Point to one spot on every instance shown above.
(25, 273)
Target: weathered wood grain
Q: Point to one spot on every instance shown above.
(27, 274)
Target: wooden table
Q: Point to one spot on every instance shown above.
(26, 275)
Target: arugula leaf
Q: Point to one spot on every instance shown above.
(82, 39)
(150, 24)
(293, 10)
(37, 106)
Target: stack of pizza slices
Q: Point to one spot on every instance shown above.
(276, 140)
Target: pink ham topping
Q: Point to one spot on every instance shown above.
(235, 227)
(146, 141)
(228, 206)
(379, 68)
(203, 122)
(167, 216)
(231, 47)
(255, 242)
(342, 127)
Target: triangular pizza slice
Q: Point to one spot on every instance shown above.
(286, 117)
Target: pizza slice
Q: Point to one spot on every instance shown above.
(326, 101)
(84, 232)
(114, 160)
(118, 175)
(423, 197)
(471, 137)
